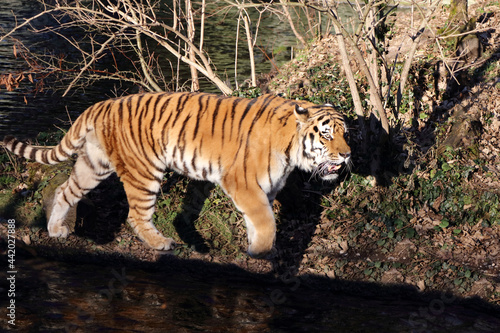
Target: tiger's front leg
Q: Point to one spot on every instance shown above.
(259, 219)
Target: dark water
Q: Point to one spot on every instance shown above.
(174, 295)
(24, 113)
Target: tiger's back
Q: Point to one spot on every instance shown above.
(248, 146)
(199, 135)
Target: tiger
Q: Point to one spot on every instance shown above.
(247, 146)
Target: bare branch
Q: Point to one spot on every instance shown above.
(123, 25)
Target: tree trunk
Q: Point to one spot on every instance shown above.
(250, 49)
(458, 14)
(195, 85)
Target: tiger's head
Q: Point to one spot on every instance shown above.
(323, 133)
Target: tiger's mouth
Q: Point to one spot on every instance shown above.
(328, 170)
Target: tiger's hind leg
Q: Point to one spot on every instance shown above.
(86, 174)
(141, 196)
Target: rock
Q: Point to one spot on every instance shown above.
(465, 131)
(469, 48)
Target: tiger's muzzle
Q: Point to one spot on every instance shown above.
(330, 170)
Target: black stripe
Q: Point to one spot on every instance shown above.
(257, 181)
(193, 160)
(104, 113)
(269, 163)
(216, 113)
(132, 142)
(245, 112)
(87, 161)
(76, 195)
(143, 135)
(198, 117)
(182, 137)
(120, 111)
(259, 114)
(139, 112)
(65, 198)
(135, 202)
(61, 151)
(53, 155)
(284, 119)
(200, 146)
(44, 157)
(304, 153)
(144, 139)
(236, 155)
(118, 133)
(148, 175)
(231, 114)
(9, 140)
(164, 129)
(33, 154)
(147, 207)
(223, 131)
(288, 148)
(100, 176)
(132, 110)
(183, 128)
(245, 159)
(75, 182)
(102, 164)
(180, 106)
(143, 189)
(155, 114)
(22, 149)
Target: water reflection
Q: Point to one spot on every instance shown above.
(176, 295)
(25, 114)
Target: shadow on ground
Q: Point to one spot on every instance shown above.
(91, 292)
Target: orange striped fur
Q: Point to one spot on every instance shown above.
(247, 146)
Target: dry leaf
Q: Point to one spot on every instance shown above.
(421, 285)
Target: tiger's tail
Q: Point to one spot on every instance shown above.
(69, 145)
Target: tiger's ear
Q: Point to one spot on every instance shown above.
(301, 114)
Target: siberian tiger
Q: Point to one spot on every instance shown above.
(247, 146)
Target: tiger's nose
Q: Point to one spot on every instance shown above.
(345, 155)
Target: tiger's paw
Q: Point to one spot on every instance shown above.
(161, 243)
(58, 230)
(262, 253)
